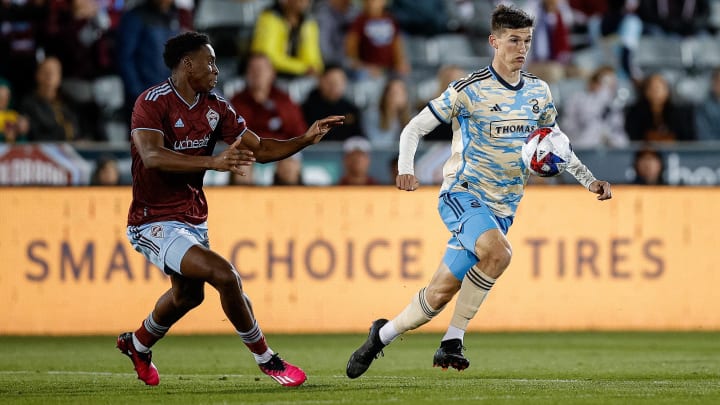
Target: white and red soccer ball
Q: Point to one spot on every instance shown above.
(546, 152)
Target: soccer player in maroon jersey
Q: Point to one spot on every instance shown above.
(175, 126)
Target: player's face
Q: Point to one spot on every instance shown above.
(203, 74)
(512, 47)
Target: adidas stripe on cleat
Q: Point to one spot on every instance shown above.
(283, 372)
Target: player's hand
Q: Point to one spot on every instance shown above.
(407, 182)
(602, 189)
(234, 158)
(321, 127)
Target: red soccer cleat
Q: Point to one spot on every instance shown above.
(146, 370)
(283, 372)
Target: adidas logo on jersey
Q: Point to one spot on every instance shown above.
(495, 108)
(179, 123)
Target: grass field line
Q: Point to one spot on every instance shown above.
(367, 378)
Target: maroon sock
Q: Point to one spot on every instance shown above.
(258, 347)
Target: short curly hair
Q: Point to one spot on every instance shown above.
(179, 46)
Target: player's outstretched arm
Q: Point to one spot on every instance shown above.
(602, 189)
(155, 155)
(270, 150)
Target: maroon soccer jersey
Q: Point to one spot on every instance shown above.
(189, 129)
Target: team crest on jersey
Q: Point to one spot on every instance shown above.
(213, 117)
(157, 231)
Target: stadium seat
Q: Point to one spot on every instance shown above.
(658, 52)
(692, 89)
(706, 52)
(298, 88)
(453, 49)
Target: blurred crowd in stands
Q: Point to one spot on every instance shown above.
(624, 73)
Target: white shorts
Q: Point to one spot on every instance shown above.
(165, 243)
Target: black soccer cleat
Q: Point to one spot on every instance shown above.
(370, 350)
(450, 354)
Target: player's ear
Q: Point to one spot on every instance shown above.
(492, 40)
(187, 62)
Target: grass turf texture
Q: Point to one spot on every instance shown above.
(506, 368)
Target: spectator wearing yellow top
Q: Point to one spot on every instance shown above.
(289, 36)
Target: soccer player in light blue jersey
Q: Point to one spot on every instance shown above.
(492, 111)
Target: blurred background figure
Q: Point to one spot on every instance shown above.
(13, 126)
(81, 34)
(288, 172)
(106, 173)
(334, 18)
(356, 163)
(427, 17)
(618, 30)
(383, 123)
(373, 44)
(550, 53)
(51, 119)
(595, 117)
(675, 17)
(328, 98)
(268, 111)
(289, 36)
(707, 113)
(141, 37)
(21, 35)
(656, 117)
(649, 167)
(392, 170)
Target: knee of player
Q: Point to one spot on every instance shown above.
(189, 301)
(226, 277)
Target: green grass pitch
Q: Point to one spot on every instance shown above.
(506, 368)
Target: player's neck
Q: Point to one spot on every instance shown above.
(184, 89)
(510, 76)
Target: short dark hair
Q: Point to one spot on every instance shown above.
(510, 17)
(179, 46)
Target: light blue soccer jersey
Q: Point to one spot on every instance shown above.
(491, 121)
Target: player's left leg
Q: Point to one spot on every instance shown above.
(477, 230)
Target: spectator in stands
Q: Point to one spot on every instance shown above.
(619, 28)
(707, 113)
(141, 37)
(50, 118)
(445, 75)
(81, 34)
(427, 17)
(106, 173)
(356, 163)
(288, 172)
(551, 51)
(373, 43)
(595, 117)
(21, 35)
(268, 110)
(288, 35)
(675, 17)
(649, 167)
(383, 123)
(334, 18)
(328, 98)
(13, 125)
(656, 117)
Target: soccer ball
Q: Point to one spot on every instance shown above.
(546, 152)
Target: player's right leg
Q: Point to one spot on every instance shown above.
(202, 263)
(158, 242)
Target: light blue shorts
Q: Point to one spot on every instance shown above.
(165, 243)
(466, 217)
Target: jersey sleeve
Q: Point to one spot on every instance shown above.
(548, 116)
(147, 114)
(233, 125)
(447, 105)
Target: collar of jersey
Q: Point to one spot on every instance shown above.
(506, 84)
